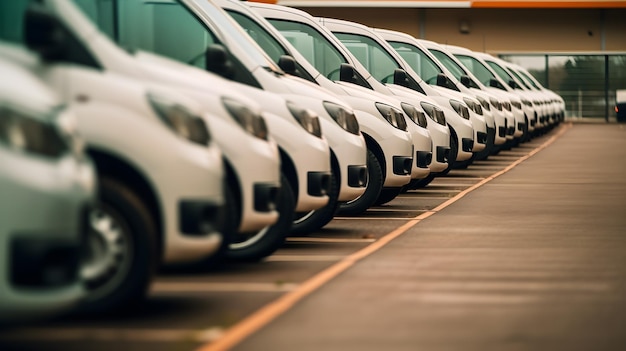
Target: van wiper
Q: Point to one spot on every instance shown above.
(271, 70)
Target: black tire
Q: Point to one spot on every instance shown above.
(454, 151)
(421, 183)
(387, 194)
(484, 154)
(258, 245)
(232, 214)
(464, 164)
(117, 280)
(496, 149)
(308, 222)
(526, 137)
(375, 182)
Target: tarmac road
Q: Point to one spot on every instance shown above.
(532, 259)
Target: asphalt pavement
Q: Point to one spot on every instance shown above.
(523, 251)
(532, 260)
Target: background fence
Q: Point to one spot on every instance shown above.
(587, 82)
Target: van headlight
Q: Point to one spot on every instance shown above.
(345, 118)
(507, 106)
(416, 116)
(180, 119)
(517, 104)
(307, 119)
(474, 106)
(394, 116)
(496, 104)
(22, 131)
(434, 112)
(527, 102)
(460, 108)
(251, 121)
(484, 103)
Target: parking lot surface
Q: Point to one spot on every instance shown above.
(533, 259)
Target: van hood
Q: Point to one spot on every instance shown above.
(29, 92)
(299, 86)
(356, 91)
(171, 72)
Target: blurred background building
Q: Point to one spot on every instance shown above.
(576, 48)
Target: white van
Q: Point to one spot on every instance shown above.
(335, 63)
(278, 48)
(556, 98)
(467, 78)
(47, 185)
(160, 196)
(552, 104)
(521, 107)
(504, 78)
(254, 166)
(235, 56)
(362, 41)
(418, 53)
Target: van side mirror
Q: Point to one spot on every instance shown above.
(218, 61)
(514, 85)
(442, 80)
(496, 84)
(400, 77)
(347, 73)
(288, 64)
(466, 81)
(45, 34)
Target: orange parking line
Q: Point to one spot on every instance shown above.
(538, 4)
(257, 320)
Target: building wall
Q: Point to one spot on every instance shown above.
(499, 30)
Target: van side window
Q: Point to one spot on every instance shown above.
(12, 20)
(476, 67)
(419, 61)
(12, 29)
(313, 46)
(162, 27)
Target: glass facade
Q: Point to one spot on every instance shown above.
(587, 82)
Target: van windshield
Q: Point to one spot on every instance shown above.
(477, 68)
(519, 78)
(454, 68)
(500, 71)
(313, 46)
(375, 58)
(419, 61)
(167, 28)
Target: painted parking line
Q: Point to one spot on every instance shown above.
(303, 258)
(450, 178)
(116, 334)
(374, 218)
(412, 195)
(448, 185)
(307, 239)
(269, 312)
(370, 210)
(162, 287)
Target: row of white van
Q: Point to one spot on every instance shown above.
(136, 134)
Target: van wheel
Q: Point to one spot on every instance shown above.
(421, 183)
(454, 151)
(374, 186)
(484, 154)
(231, 223)
(120, 255)
(307, 222)
(387, 194)
(464, 164)
(258, 245)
